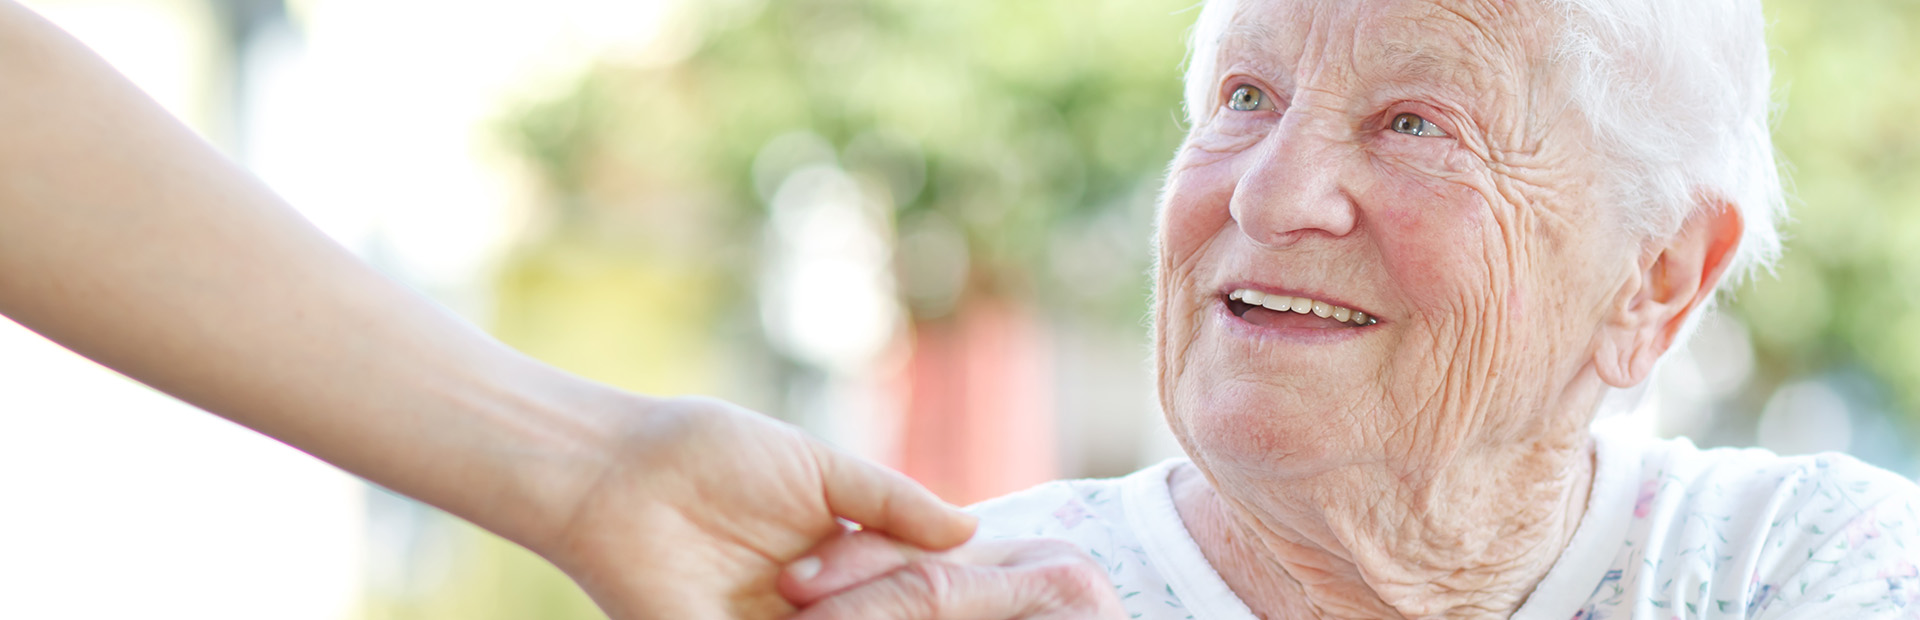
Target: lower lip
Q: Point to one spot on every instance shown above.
(1296, 335)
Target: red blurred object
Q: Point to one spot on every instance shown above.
(979, 417)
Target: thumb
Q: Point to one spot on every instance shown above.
(886, 501)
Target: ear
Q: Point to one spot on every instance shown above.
(1675, 280)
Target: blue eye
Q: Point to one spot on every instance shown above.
(1413, 125)
(1246, 99)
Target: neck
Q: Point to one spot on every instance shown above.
(1470, 540)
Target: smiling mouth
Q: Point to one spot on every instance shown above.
(1283, 311)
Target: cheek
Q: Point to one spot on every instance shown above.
(1449, 250)
(1193, 215)
(1439, 241)
(1196, 210)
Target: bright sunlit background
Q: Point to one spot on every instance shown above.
(917, 228)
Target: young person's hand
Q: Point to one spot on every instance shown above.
(703, 503)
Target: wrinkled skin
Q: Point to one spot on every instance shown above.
(1432, 464)
(1415, 160)
(1474, 251)
(865, 575)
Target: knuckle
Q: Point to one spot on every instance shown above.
(1073, 576)
(1074, 580)
(930, 589)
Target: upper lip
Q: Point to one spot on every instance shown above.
(1313, 295)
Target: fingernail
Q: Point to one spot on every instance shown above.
(804, 569)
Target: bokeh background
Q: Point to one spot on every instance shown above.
(916, 228)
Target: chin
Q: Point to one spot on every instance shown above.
(1261, 427)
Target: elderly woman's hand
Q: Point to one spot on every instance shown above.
(866, 575)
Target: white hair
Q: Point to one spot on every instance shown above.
(1676, 91)
(1679, 94)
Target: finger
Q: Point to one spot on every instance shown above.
(841, 563)
(858, 557)
(883, 500)
(929, 590)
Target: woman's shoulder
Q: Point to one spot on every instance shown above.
(1062, 508)
(1758, 480)
(1772, 533)
(1787, 500)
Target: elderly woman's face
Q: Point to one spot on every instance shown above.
(1409, 160)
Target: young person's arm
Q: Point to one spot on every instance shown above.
(126, 238)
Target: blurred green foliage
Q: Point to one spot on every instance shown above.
(1849, 284)
(1015, 124)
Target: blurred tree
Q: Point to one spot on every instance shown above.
(1002, 125)
(1012, 147)
(1846, 292)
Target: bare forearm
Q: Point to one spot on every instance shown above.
(126, 238)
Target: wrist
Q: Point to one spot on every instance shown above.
(560, 438)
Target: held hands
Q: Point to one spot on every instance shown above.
(700, 507)
(865, 575)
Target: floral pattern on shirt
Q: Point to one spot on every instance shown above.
(1746, 534)
(1722, 534)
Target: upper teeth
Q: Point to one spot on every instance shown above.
(1302, 305)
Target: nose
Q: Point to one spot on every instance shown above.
(1291, 189)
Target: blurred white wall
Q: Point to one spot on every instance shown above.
(122, 502)
(371, 117)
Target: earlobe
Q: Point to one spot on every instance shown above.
(1608, 362)
(1630, 344)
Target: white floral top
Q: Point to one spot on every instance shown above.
(1671, 531)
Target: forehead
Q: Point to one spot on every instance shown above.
(1468, 43)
